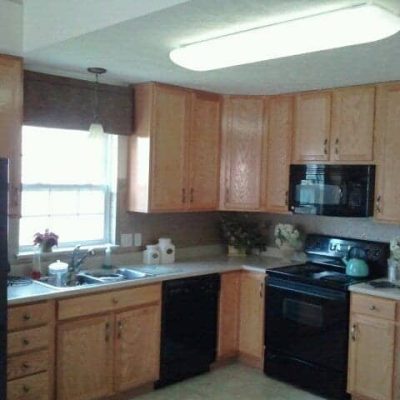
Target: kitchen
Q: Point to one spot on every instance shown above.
(204, 145)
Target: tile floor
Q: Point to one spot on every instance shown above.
(234, 382)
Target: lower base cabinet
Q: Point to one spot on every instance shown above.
(373, 349)
(102, 355)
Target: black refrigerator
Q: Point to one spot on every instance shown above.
(4, 268)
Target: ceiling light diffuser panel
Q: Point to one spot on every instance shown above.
(345, 27)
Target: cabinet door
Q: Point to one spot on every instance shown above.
(137, 347)
(353, 124)
(171, 125)
(10, 125)
(371, 357)
(242, 153)
(204, 152)
(278, 124)
(228, 316)
(387, 154)
(312, 127)
(251, 328)
(85, 359)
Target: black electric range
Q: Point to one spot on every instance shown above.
(307, 314)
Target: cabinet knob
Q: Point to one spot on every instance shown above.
(107, 332)
(26, 317)
(25, 342)
(26, 389)
(25, 365)
(114, 300)
(372, 307)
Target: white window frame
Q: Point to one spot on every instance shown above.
(111, 144)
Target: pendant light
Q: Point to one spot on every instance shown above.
(96, 128)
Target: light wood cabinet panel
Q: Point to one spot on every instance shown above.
(371, 357)
(353, 124)
(84, 359)
(242, 153)
(171, 125)
(278, 125)
(251, 327)
(374, 306)
(27, 340)
(228, 320)
(35, 387)
(387, 154)
(27, 316)
(27, 364)
(137, 347)
(312, 127)
(11, 98)
(204, 150)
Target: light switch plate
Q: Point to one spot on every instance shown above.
(137, 239)
(126, 239)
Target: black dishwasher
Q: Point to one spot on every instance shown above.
(188, 327)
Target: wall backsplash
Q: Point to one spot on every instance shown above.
(359, 228)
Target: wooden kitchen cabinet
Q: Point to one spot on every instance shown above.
(353, 124)
(30, 351)
(242, 147)
(312, 127)
(251, 326)
(174, 152)
(11, 106)
(84, 359)
(137, 354)
(372, 350)
(228, 315)
(115, 349)
(278, 125)
(387, 136)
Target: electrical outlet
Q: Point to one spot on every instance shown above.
(137, 239)
(126, 239)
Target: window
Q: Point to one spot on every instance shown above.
(68, 186)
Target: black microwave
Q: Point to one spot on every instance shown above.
(334, 190)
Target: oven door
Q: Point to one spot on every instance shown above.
(307, 323)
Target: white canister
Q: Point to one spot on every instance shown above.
(58, 273)
(167, 250)
(151, 256)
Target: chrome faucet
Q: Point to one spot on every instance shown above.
(74, 266)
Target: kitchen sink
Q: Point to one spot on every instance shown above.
(81, 281)
(101, 276)
(129, 273)
(154, 270)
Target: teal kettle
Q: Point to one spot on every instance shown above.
(355, 263)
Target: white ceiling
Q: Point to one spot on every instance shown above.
(134, 45)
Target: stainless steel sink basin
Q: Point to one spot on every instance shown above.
(130, 274)
(155, 270)
(81, 281)
(100, 276)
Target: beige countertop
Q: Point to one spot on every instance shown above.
(181, 269)
(366, 288)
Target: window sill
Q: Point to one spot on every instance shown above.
(56, 253)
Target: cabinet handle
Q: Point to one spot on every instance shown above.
(115, 300)
(378, 203)
(372, 307)
(26, 317)
(191, 195)
(183, 196)
(119, 329)
(353, 332)
(337, 141)
(26, 389)
(326, 146)
(261, 290)
(226, 194)
(287, 197)
(325, 142)
(25, 342)
(107, 332)
(25, 365)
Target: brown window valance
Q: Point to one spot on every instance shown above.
(66, 103)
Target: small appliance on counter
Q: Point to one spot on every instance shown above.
(167, 250)
(151, 256)
(307, 312)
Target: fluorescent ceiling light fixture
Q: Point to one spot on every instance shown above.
(340, 28)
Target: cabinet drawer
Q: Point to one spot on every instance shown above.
(35, 387)
(27, 364)
(29, 339)
(373, 306)
(104, 302)
(22, 317)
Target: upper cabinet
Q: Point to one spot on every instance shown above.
(10, 125)
(353, 124)
(312, 127)
(278, 126)
(174, 164)
(387, 153)
(242, 146)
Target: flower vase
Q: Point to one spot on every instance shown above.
(45, 248)
(233, 251)
(287, 252)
